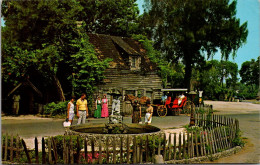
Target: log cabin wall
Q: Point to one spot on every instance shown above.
(129, 82)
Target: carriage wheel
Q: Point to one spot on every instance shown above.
(187, 107)
(161, 111)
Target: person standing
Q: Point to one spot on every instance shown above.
(136, 118)
(97, 113)
(180, 98)
(149, 113)
(82, 109)
(104, 112)
(70, 109)
(16, 99)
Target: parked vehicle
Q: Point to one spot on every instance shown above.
(172, 106)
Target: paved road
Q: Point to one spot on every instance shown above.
(248, 115)
(38, 127)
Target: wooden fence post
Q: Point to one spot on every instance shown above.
(26, 152)
(209, 142)
(127, 148)
(179, 155)
(54, 150)
(36, 150)
(6, 146)
(174, 146)
(49, 151)
(188, 144)
(196, 144)
(185, 146)
(141, 150)
(169, 147)
(215, 139)
(71, 152)
(164, 146)
(92, 148)
(226, 140)
(153, 148)
(78, 150)
(100, 150)
(17, 147)
(11, 148)
(159, 146)
(212, 141)
(134, 150)
(229, 136)
(114, 150)
(192, 145)
(220, 138)
(86, 149)
(2, 143)
(146, 148)
(43, 151)
(64, 150)
(201, 144)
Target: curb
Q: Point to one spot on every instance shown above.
(206, 158)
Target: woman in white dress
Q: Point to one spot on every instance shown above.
(70, 109)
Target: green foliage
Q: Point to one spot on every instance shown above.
(55, 108)
(211, 77)
(247, 91)
(113, 17)
(238, 140)
(169, 72)
(55, 47)
(249, 83)
(192, 30)
(151, 145)
(249, 72)
(87, 67)
(59, 143)
(193, 128)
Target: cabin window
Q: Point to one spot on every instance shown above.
(135, 62)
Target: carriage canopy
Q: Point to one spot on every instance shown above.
(175, 89)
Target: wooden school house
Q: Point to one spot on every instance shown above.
(130, 72)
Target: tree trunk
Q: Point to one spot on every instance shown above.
(59, 88)
(187, 76)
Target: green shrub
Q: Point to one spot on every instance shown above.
(238, 140)
(55, 108)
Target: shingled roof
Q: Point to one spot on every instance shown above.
(109, 47)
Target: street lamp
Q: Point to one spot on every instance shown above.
(200, 97)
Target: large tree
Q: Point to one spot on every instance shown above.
(43, 36)
(191, 30)
(249, 72)
(112, 17)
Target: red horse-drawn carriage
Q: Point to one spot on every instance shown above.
(173, 104)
